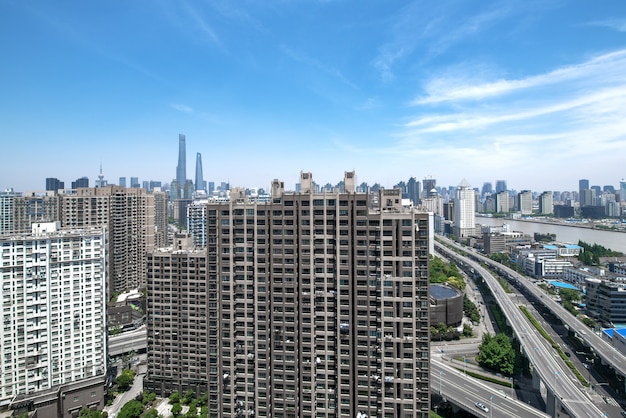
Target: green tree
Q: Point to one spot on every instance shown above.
(148, 397)
(192, 413)
(150, 413)
(175, 397)
(125, 380)
(569, 295)
(176, 409)
(441, 272)
(467, 330)
(203, 399)
(470, 310)
(90, 413)
(131, 409)
(497, 353)
(187, 398)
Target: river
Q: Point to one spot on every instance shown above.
(564, 233)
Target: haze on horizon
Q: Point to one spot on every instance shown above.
(533, 92)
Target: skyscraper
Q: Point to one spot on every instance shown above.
(413, 190)
(308, 305)
(583, 184)
(464, 210)
(199, 178)
(54, 184)
(622, 190)
(81, 182)
(502, 202)
(181, 168)
(500, 186)
(429, 184)
(122, 181)
(546, 206)
(487, 189)
(525, 202)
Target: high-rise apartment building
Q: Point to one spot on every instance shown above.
(54, 332)
(130, 216)
(197, 222)
(199, 178)
(54, 184)
(622, 190)
(546, 206)
(502, 202)
(7, 205)
(19, 211)
(307, 305)
(525, 202)
(464, 210)
(181, 168)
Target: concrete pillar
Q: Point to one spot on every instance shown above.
(536, 382)
(551, 404)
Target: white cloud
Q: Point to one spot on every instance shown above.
(604, 68)
(182, 107)
(616, 24)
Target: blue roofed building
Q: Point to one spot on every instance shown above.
(564, 250)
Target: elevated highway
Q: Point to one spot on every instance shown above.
(127, 342)
(564, 390)
(464, 391)
(603, 349)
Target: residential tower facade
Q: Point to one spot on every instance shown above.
(313, 305)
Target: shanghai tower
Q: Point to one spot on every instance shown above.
(199, 179)
(181, 168)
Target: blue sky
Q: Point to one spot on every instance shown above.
(533, 92)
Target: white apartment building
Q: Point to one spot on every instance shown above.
(525, 202)
(464, 210)
(53, 312)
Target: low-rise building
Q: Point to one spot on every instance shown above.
(606, 301)
(542, 263)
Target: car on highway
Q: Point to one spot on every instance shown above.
(482, 406)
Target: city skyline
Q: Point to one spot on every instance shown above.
(263, 91)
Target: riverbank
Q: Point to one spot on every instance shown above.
(599, 225)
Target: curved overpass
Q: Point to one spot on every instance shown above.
(465, 391)
(565, 391)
